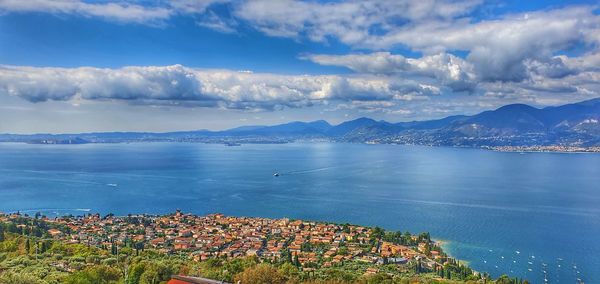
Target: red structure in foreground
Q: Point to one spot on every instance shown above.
(179, 279)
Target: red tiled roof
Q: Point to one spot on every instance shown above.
(178, 279)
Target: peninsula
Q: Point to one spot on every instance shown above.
(137, 247)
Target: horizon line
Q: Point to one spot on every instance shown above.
(293, 121)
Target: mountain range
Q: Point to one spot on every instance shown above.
(574, 124)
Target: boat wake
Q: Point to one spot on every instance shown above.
(298, 172)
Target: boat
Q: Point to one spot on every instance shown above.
(112, 184)
(275, 174)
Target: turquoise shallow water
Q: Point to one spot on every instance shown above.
(499, 211)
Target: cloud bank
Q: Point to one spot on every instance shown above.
(179, 85)
(386, 83)
(119, 11)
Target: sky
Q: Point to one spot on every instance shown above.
(155, 65)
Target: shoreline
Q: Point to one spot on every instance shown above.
(544, 149)
(445, 245)
(501, 149)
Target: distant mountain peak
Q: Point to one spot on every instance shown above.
(514, 124)
(516, 107)
(362, 119)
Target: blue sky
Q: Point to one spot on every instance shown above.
(40, 39)
(73, 65)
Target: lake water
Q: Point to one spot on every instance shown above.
(499, 211)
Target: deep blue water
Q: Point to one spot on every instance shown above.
(487, 205)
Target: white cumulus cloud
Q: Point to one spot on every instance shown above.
(446, 69)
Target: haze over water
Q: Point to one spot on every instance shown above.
(498, 211)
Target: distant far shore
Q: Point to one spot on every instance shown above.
(535, 149)
(239, 142)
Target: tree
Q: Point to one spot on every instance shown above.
(346, 228)
(42, 247)
(139, 246)
(1, 233)
(289, 271)
(150, 276)
(100, 274)
(418, 267)
(306, 247)
(260, 274)
(135, 273)
(377, 233)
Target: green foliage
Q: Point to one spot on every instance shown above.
(100, 274)
(377, 278)
(504, 279)
(340, 274)
(19, 278)
(457, 271)
(225, 270)
(306, 247)
(260, 274)
(289, 271)
(135, 273)
(377, 234)
(109, 261)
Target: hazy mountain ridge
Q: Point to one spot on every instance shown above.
(575, 124)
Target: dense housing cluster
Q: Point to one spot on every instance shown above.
(307, 244)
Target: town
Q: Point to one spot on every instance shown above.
(308, 245)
